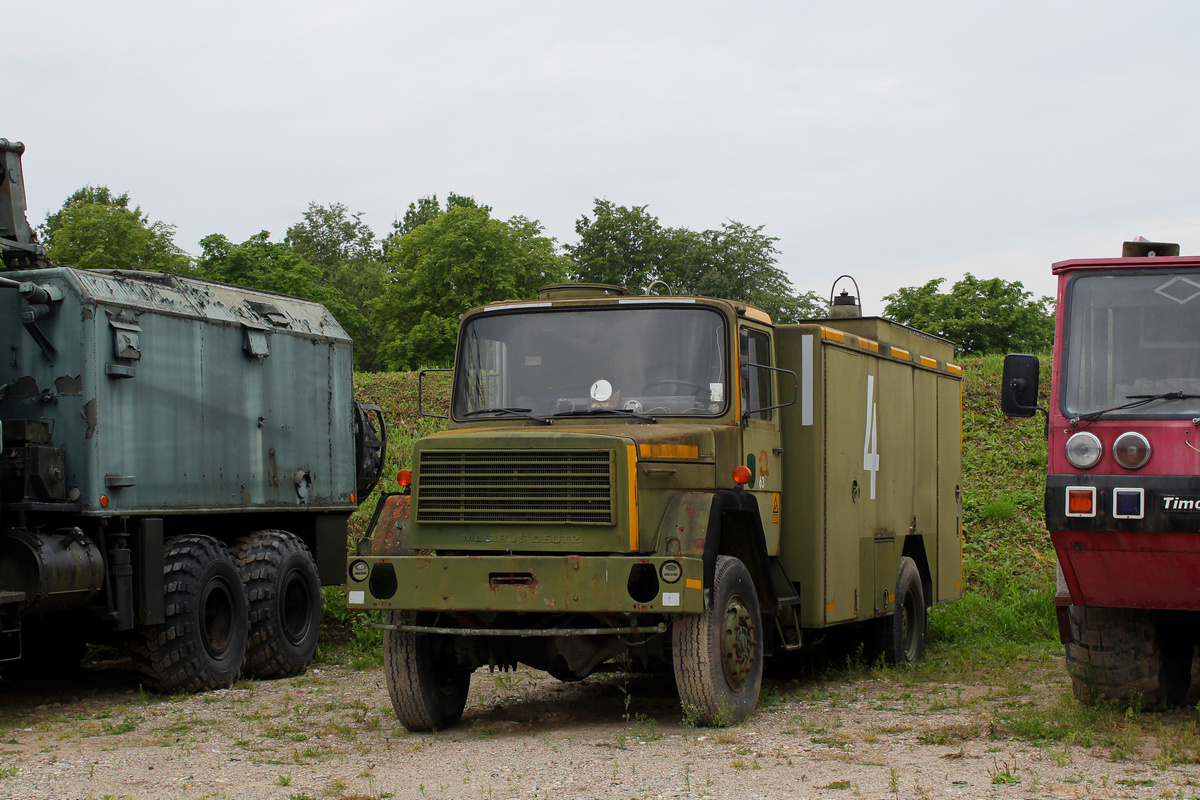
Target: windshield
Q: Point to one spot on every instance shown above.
(652, 360)
(1132, 334)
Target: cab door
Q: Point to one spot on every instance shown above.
(762, 448)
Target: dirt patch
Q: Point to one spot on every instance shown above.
(331, 733)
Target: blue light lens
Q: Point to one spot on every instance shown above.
(1129, 504)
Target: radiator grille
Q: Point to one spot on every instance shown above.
(516, 486)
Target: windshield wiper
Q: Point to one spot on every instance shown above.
(619, 411)
(1139, 401)
(1163, 396)
(516, 412)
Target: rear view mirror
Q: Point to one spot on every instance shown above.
(1019, 387)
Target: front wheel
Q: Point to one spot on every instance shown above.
(427, 686)
(718, 655)
(202, 643)
(1133, 657)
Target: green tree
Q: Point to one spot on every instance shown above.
(458, 259)
(350, 259)
(96, 229)
(425, 210)
(980, 315)
(259, 263)
(627, 246)
(737, 262)
(619, 245)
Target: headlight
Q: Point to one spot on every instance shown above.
(359, 570)
(1083, 450)
(1131, 450)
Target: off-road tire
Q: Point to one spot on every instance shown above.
(202, 643)
(1133, 657)
(718, 655)
(904, 633)
(428, 689)
(284, 597)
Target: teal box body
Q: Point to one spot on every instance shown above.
(173, 395)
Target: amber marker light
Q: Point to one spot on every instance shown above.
(1081, 501)
(405, 478)
(741, 475)
(104, 501)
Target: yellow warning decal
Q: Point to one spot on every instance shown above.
(670, 450)
(631, 452)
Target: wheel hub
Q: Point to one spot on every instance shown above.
(739, 641)
(217, 618)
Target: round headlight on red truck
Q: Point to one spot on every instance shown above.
(1084, 450)
(1131, 450)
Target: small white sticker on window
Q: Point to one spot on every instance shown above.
(670, 598)
(357, 599)
(716, 391)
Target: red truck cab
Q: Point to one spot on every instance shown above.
(1123, 479)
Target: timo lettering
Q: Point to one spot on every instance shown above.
(1173, 503)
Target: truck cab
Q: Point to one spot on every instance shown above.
(1122, 492)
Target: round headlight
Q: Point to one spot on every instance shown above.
(1131, 450)
(1083, 450)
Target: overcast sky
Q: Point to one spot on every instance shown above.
(897, 142)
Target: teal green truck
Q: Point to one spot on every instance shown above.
(628, 482)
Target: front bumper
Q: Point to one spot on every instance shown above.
(524, 583)
(1136, 569)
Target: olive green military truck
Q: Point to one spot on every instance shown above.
(631, 481)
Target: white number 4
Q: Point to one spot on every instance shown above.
(871, 442)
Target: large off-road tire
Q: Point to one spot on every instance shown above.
(1133, 657)
(202, 643)
(284, 596)
(428, 688)
(904, 634)
(718, 655)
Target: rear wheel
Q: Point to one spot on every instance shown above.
(284, 596)
(427, 686)
(202, 643)
(900, 638)
(1134, 657)
(718, 655)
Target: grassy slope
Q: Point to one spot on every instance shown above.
(1008, 562)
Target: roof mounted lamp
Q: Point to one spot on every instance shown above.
(845, 305)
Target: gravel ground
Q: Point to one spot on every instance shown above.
(331, 733)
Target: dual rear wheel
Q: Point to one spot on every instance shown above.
(254, 609)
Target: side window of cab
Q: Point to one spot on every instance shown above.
(754, 353)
